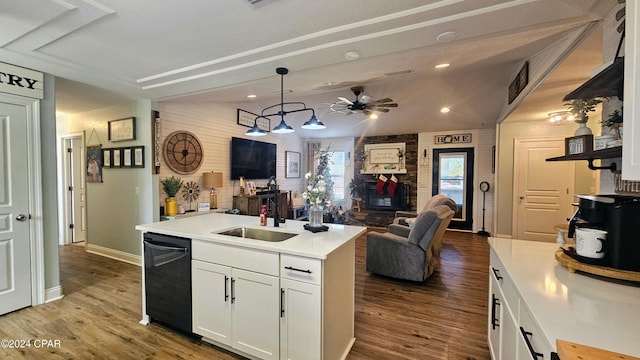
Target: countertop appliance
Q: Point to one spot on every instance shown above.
(618, 216)
(167, 269)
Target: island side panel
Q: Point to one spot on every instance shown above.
(145, 317)
(338, 302)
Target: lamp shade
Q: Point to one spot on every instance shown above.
(212, 180)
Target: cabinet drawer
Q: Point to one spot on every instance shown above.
(530, 333)
(238, 257)
(301, 268)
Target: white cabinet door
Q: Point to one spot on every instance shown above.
(495, 312)
(300, 324)
(509, 333)
(255, 301)
(211, 301)
(631, 136)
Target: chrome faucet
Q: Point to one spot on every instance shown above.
(272, 185)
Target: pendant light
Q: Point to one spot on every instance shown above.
(283, 128)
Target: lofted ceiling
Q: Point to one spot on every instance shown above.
(105, 51)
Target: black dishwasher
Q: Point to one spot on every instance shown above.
(167, 271)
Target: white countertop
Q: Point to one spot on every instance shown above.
(576, 307)
(205, 227)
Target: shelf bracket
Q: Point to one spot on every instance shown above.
(611, 167)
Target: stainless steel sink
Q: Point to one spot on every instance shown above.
(258, 234)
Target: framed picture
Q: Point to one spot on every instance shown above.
(138, 156)
(106, 158)
(126, 157)
(578, 144)
(292, 164)
(94, 163)
(117, 159)
(122, 129)
(246, 118)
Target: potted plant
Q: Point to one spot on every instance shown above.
(580, 108)
(171, 186)
(357, 189)
(614, 122)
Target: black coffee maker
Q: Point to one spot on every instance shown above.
(619, 216)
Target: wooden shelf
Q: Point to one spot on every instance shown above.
(608, 153)
(609, 82)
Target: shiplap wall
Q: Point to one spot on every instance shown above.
(215, 125)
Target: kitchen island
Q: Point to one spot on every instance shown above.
(534, 301)
(269, 299)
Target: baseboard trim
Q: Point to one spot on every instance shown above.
(53, 294)
(504, 236)
(114, 254)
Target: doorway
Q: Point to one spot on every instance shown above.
(453, 177)
(542, 190)
(74, 220)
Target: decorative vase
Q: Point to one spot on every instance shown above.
(582, 130)
(315, 215)
(171, 206)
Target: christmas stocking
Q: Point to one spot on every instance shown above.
(391, 189)
(380, 185)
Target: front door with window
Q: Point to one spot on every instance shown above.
(453, 177)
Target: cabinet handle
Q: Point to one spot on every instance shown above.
(496, 272)
(281, 302)
(226, 294)
(233, 290)
(495, 322)
(532, 351)
(294, 269)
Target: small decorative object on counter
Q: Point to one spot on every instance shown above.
(315, 215)
(263, 215)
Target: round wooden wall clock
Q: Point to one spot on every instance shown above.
(183, 152)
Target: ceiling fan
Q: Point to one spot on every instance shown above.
(363, 104)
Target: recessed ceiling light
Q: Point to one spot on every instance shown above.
(352, 55)
(445, 110)
(447, 36)
(329, 83)
(442, 66)
(373, 116)
(252, 96)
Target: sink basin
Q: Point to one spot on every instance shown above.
(258, 234)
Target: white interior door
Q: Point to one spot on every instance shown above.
(15, 255)
(543, 190)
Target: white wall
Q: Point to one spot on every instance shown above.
(482, 140)
(127, 196)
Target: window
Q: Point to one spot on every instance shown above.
(337, 170)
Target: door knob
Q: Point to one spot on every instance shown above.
(21, 217)
(521, 197)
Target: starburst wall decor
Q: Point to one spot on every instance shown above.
(190, 192)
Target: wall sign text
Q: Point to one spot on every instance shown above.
(20, 81)
(453, 139)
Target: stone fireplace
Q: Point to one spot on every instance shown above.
(376, 201)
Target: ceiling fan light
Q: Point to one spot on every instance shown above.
(255, 131)
(313, 124)
(283, 128)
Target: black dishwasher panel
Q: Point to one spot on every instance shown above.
(167, 269)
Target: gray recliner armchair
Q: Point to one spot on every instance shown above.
(410, 253)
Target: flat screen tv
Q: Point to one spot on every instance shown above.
(252, 159)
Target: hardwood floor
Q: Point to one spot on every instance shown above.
(442, 318)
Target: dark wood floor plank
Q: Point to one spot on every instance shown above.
(443, 318)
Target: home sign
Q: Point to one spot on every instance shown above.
(453, 139)
(21, 81)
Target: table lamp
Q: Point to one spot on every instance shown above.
(212, 180)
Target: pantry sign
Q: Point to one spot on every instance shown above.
(453, 139)
(21, 81)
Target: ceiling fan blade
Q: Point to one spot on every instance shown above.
(343, 99)
(365, 99)
(375, 106)
(382, 110)
(385, 100)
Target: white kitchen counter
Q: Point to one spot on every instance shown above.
(204, 227)
(576, 307)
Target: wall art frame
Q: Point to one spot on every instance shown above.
(246, 118)
(122, 129)
(292, 164)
